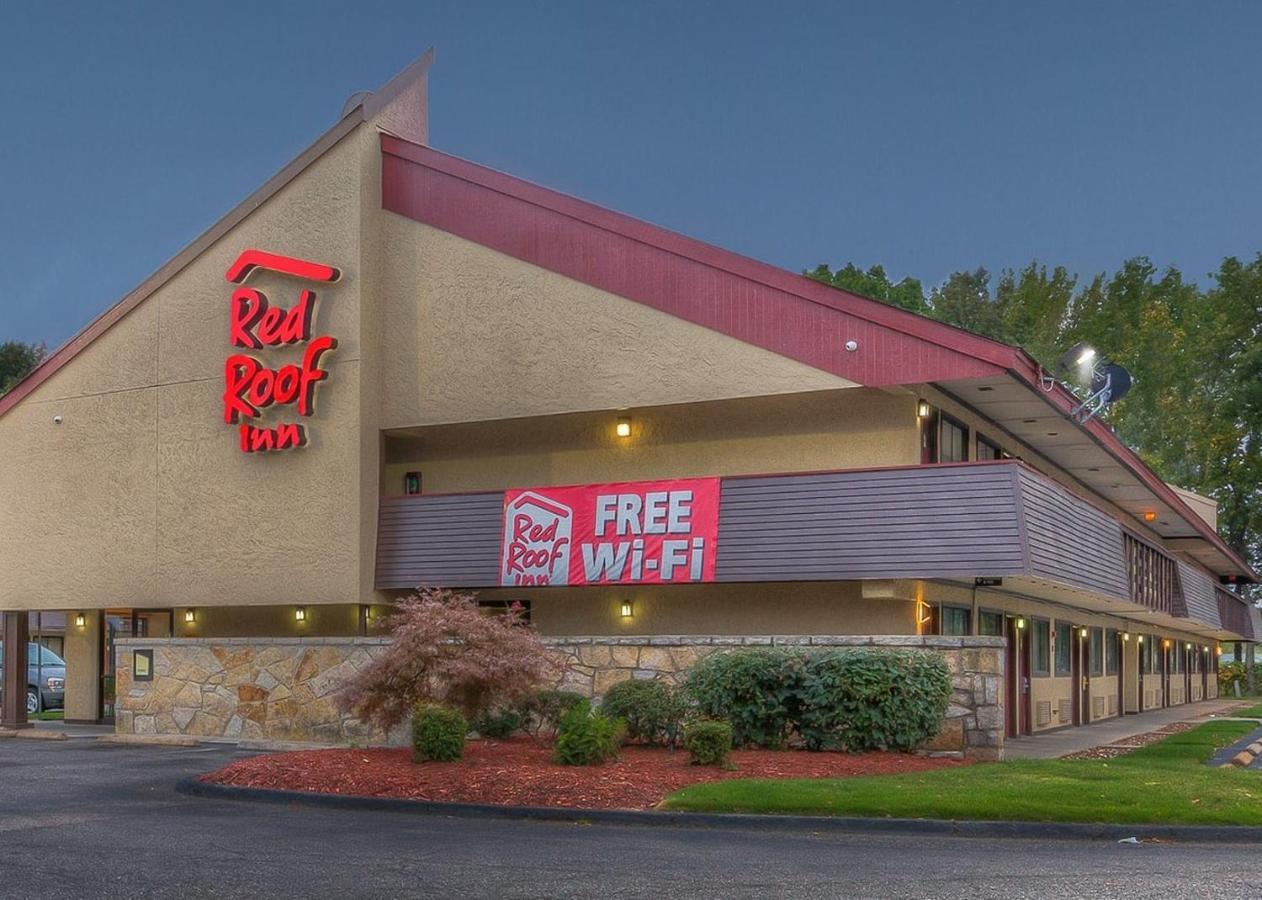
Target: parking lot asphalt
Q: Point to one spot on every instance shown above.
(84, 819)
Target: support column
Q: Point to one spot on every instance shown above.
(16, 633)
(83, 667)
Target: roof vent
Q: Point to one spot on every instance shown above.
(353, 101)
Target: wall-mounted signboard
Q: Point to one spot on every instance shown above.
(644, 532)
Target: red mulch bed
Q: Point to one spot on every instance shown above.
(519, 772)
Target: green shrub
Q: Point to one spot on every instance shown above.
(586, 737)
(544, 710)
(707, 742)
(755, 690)
(437, 734)
(868, 698)
(653, 710)
(860, 698)
(498, 725)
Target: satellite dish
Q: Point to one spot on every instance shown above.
(1109, 384)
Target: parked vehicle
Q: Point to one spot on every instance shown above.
(45, 678)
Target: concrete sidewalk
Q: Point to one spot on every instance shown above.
(1072, 740)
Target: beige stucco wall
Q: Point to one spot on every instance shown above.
(83, 663)
(803, 432)
(731, 609)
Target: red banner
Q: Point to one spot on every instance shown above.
(642, 532)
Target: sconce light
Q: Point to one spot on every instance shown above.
(624, 427)
(924, 613)
(627, 611)
(1206, 649)
(1126, 635)
(1187, 646)
(412, 483)
(1166, 643)
(1220, 649)
(1150, 516)
(923, 409)
(190, 616)
(300, 614)
(1082, 632)
(1140, 639)
(1020, 623)
(80, 620)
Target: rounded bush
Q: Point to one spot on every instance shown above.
(756, 690)
(586, 737)
(857, 698)
(653, 710)
(438, 734)
(544, 710)
(708, 743)
(498, 725)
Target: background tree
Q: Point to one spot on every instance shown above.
(16, 360)
(1195, 412)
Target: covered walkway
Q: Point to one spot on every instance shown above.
(1108, 731)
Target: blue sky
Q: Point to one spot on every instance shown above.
(929, 136)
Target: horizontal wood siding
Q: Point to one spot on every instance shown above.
(950, 521)
(449, 540)
(1237, 615)
(1198, 593)
(1070, 541)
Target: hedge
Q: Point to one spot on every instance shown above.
(855, 698)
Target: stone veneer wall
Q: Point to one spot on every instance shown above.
(974, 723)
(283, 688)
(278, 689)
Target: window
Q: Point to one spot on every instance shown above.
(1176, 657)
(990, 623)
(987, 449)
(1064, 647)
(1152, 655)
(1110, 652)
(957, 620)
(1097, 651)
(952, 441)
(1040, 652)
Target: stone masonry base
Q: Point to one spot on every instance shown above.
(283, 689)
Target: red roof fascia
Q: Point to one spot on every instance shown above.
(789, 314)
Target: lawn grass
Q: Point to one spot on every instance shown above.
(1252, 711)
(1163, 783)
(48, 715)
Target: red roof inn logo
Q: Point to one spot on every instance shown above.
(644, 532)
(251, 387)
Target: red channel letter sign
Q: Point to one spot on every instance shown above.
(644, 532)
(250, 387)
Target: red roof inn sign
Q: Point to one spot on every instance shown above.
(644, 532)
(250, 387)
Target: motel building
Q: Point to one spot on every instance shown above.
(390, 367)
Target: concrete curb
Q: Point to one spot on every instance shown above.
(161, 740)
(809, 824)
(33, 734)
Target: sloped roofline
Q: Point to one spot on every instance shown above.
(1012, 360)
(365, 110)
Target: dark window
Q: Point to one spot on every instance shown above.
(1064, 647)
(1151, 655)
(952, 441)
(1176, 657)
(988, 450)
(1097, 651)
(1110, 652)
(957, 620)
(1040, 651)
(990, 623)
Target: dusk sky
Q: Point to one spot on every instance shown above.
(929, 137)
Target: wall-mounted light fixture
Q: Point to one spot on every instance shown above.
(1126, 635)
(923, 409)
(1149, 516)
(1220, 649)
(1187, 646)
(412, 483)
(624, 427)
(1083, 633)
(924, 614)
(1020, 624)
(300, 614)
(1140, 639)
(190, 616)
(80, 620)
(1166, 643)
(1206, 649)
(627, 610)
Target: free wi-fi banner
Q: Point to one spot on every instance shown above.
(642, 532)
